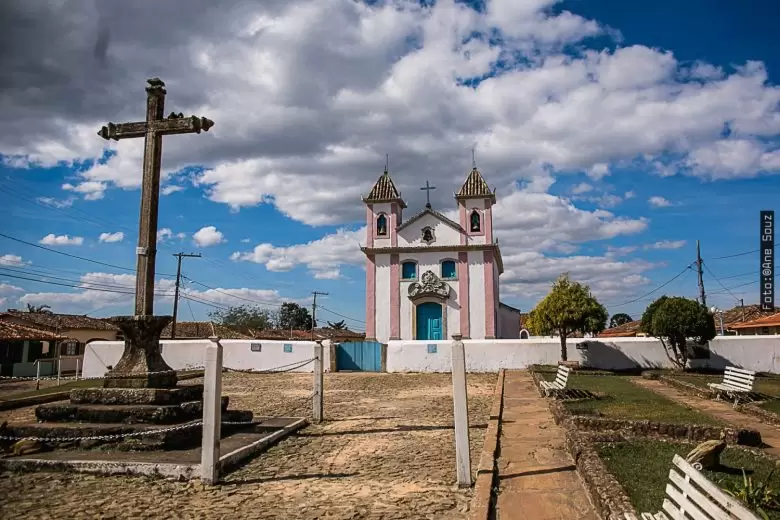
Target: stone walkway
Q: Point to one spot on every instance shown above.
(537, 477)
(770, 435)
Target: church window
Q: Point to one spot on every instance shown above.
(476, 224)
(409, 270)
(381, 225)
(448, 270)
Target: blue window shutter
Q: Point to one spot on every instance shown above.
(448, 269)
(408, 270)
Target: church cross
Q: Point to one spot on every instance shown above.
(152, 130)
(427, 190)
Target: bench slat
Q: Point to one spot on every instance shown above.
(689, 507)
(703, 502)
(660, 516)
(674, 512)
(744, 380)
(738, 386)
(740, 371)
(728, 503)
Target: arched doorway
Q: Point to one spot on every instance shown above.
(429, 321)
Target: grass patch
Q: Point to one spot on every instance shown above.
(771, 406)
(625, 400)
(642, 468)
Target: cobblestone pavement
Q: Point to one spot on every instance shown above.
(386, 451)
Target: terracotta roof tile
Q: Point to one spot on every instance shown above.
(10, 331)
(50, 320)
(475, 187)
(744, 314)
(384, 190)
(772, 320)
(306, 335)
(202, 330)
(629, 329)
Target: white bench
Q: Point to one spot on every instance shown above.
(690, 495)
(737, 382)
(558, 385)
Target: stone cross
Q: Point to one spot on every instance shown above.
(152, 130)
(427, 190)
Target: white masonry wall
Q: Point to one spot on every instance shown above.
(759, 353)
(444, 234)
(183, 354)
(429, 261)
(382, 303)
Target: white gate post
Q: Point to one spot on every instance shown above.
(317, 398)
(37, 374)
(59, 370)
(212, 413)
(461, 409)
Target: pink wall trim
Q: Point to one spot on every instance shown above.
(462, 208)
(490, 299)
(488, 224)
(370, 225)
(370, 297)
(463, 293)
(395, 298)
(393, 224)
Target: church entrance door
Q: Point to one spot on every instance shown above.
(429, 321)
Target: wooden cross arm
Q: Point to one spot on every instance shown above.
(170, 126)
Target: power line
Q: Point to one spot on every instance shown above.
(220, 291)
(340, 315)
(719, 282)
(657, 288)
(179, 256)
(737, 254)
(73, 256)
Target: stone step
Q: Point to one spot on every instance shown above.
(127, 414)
(68, 436)
(169, 396)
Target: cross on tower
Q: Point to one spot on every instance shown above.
(427, 190)
(152, 131)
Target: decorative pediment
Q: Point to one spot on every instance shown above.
(429, 285)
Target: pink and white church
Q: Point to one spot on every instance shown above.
(430, 277)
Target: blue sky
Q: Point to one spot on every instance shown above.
(596, 174)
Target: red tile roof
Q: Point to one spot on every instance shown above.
(10, 331)
(384, 191)
(772, 320)
(475, 187)
(202, 330)
(53, 321)
(630, 329)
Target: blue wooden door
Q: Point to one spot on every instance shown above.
(429, 321)
(364, 356)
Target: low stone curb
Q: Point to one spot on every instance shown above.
(607, 496)
(12, 404)
(685, 387)
(482, 501)
(759, 413)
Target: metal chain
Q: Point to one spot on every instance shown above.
(274, 370)
(123, 435)
(134, 374)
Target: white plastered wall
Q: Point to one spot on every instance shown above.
(477, 294)
(382, 303)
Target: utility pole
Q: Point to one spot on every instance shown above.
(314, 310)
(179, 256)
(700, 271)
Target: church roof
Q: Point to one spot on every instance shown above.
(440, 216)
(475, 187)
(384, 191)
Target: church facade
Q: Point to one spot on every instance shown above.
(430, 277)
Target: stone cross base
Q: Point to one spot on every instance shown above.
(142, 364)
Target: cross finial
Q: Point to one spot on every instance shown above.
(427, 190)
(474, 157)
(387, 162)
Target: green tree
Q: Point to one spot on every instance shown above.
(339, 325)
(619, 319)
(568, 308)
(675, 320)
(41, 309)
(245, 317)
(293, 316)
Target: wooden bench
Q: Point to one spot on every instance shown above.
(690, 495)
(737, 383)
(558, 385)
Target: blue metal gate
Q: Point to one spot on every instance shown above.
(364, 356)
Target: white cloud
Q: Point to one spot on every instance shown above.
(95, 290)
(12, 260)
(61, 240)
(166, 234)
(51, 201)
(171, 188)
(92, 190)
(246, 240)
(582, 187)
(208, 236)
(734, 158)
(667, 244)
(323, 257)
(629, 195)
(659, 202)
(111, 237)
(7, 288)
